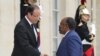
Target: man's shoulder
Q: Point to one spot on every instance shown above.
(20, 25)
(21, 22)
(73, 35)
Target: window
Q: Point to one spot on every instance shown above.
(55, 25)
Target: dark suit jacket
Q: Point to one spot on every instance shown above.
(70, 45)
(25, 43)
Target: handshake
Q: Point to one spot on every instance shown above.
(43, 55)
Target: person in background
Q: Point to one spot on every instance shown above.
(81, 18)
(23, 6)
(25, 34)
(71, 43)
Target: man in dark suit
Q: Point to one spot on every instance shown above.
(25, 34)
(71, 43)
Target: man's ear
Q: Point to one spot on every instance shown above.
(65, 26)
(29, 13)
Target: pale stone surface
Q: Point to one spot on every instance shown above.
(8, 15)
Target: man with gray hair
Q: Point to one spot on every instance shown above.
(71, 43)
(25, 34)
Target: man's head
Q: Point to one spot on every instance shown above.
(67, 24)
(33, 13)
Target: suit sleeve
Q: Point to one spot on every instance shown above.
(22, 38)
(74, 47)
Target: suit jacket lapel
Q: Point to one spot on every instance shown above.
(29, 28)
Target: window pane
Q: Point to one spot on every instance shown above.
(55, 4)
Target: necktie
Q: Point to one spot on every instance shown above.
(37, 34)
(34, 30)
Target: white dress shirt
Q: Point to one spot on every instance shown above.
(30, 23)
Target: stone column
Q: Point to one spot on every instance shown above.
(45, 27)
(97, 27)
(9, 15)
(71, 6)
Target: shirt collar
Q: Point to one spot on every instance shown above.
(66, 33)
(28, 20)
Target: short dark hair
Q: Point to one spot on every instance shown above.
(30, 9)
(70, 22)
